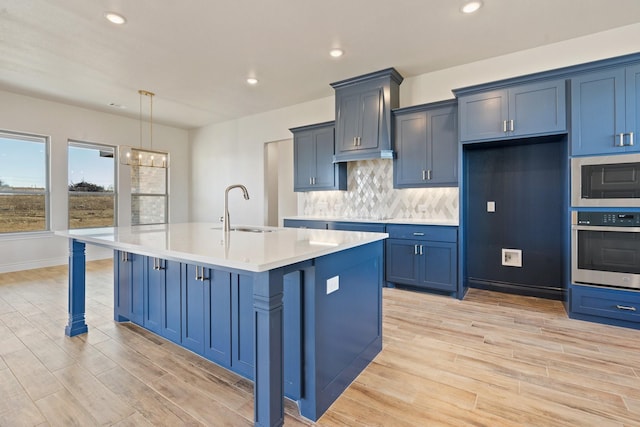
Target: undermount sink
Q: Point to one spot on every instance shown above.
(249, 229)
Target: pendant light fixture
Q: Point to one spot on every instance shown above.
(144, 156)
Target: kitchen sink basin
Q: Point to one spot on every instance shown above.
(248, 229)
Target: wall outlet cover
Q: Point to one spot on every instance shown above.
(491, 206)
(333, 284)
(512, 257)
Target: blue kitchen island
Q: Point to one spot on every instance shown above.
(297, 311)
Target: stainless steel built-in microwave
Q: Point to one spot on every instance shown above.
(609, 181)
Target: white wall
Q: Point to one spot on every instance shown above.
(62, 122)
(232, 152)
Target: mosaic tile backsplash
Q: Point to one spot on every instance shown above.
(370, 194)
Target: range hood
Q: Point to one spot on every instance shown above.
(363, 115)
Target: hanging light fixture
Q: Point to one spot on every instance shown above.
(144, 157)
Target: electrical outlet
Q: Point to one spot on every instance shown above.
(491, 206)
(512, 257)
(333, 284)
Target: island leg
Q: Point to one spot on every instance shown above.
(76, 323)
(268, 349)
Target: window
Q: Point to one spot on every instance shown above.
(24, 183)
(92, 197)
(149, 195)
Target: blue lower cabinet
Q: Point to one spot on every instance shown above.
(422, 256)
(242, 325)
(193, 307)
(218, 320)
(171, 323)
(620, 307)
(129, 294)
(154, 288)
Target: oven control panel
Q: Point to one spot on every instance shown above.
(610, 219)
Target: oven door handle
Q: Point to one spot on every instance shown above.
(605, 228)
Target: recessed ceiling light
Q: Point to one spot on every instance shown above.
(471, 6)
(252, 81)
(336, 53)
(115, 18)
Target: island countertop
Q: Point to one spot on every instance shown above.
(206, 243)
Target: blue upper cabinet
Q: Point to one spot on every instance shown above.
(313, 149)
(363, 115)
(426, 141)
(604, 111)
(532, 109)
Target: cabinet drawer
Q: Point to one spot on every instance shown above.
(602, 302)
(357, 226)
(438, 233)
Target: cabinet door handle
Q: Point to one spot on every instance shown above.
(355, 141)
(310, 181)
(415, 249)
(630, 139)
(625, 307)
(420, 249)
(511, 125)
(429, 175)
(314, 180)
(424, 175)
(620, 140)
(125, 256)
(504, 126)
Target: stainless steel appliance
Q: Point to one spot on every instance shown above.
(608, 181)
(606, 248)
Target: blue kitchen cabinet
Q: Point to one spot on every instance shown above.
(154, 289)
(196, 278)
(129, 294)
(218, 305)
(426, 142)
(604, 111)
(168, 277)
(313, 167)
(422, 256)
(620, 307)
(242, 358)
(162, 300)
(363, 115)
(532, 109)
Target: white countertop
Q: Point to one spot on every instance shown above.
(205, 243)
(415, 221)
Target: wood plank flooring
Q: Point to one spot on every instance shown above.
(490, 360)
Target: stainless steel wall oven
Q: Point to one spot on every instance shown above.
(606, 248)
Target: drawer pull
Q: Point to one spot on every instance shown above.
(418, 234)
(625, 307)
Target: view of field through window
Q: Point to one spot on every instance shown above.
(23, 183)
(92, 196)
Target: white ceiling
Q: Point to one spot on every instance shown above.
(196, 54)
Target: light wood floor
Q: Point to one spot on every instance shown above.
(490, 360)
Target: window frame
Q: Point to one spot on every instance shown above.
(46, 140)
(96, 146)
